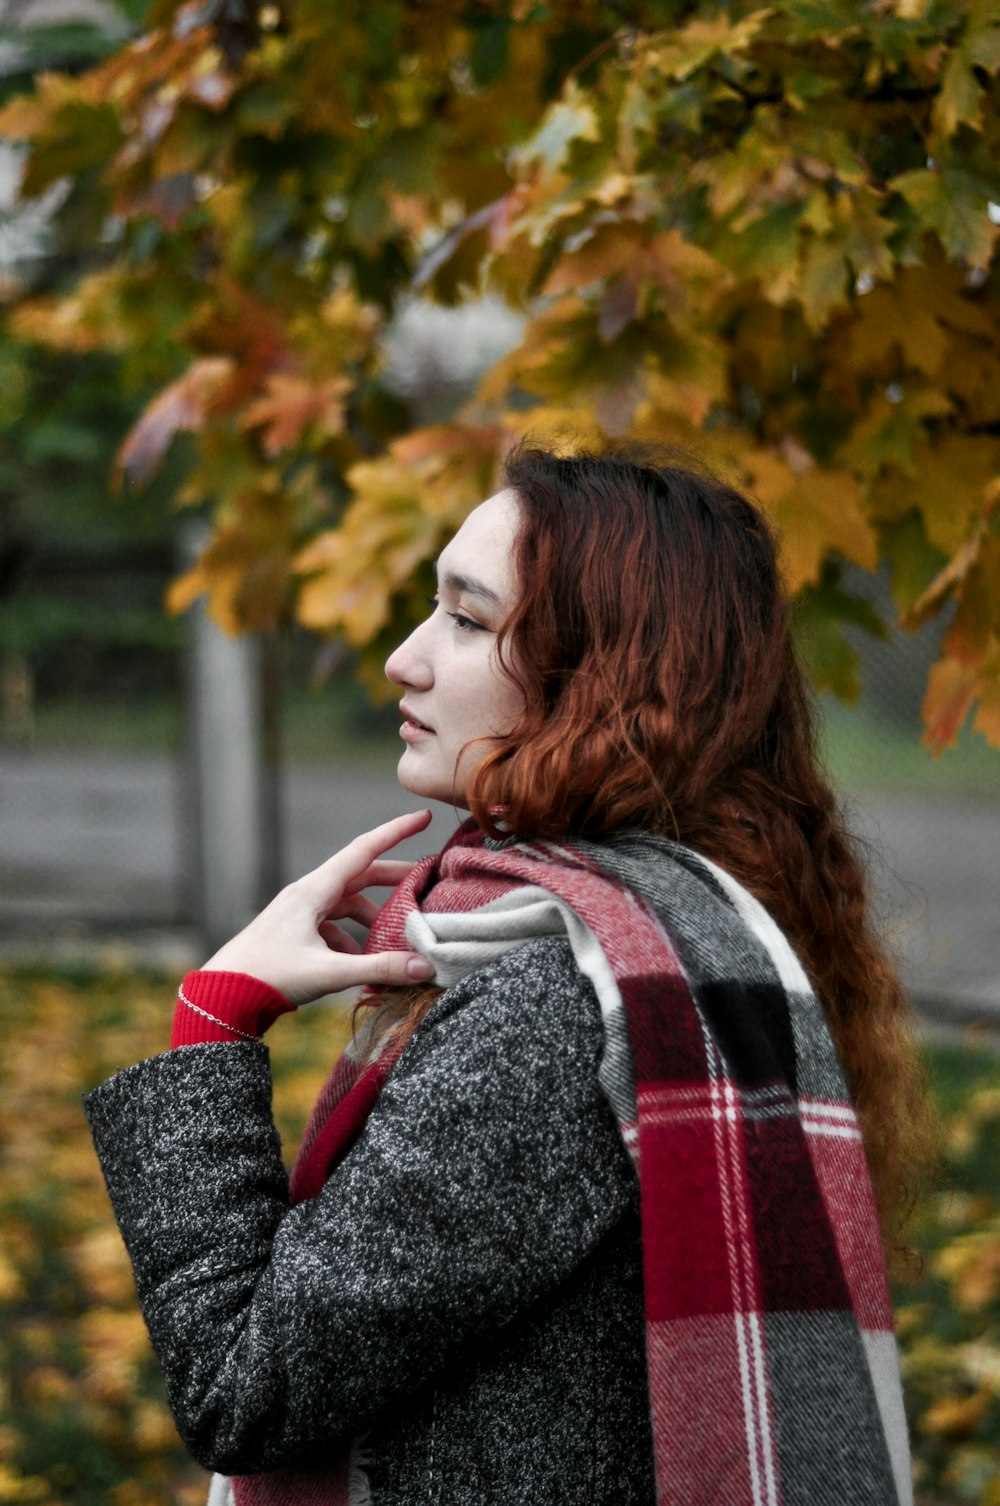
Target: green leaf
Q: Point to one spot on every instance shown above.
(821, 613)
(951, 199)
(490, 50)
(962, 96)
(572, 119)
(913, 559)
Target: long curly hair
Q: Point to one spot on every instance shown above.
(661, 691)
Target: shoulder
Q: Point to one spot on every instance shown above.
(536, 989)
(517, 1042)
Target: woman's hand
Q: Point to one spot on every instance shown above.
(295, 944)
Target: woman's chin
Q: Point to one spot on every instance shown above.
(425, 783)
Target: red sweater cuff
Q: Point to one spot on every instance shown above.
(213, 1006)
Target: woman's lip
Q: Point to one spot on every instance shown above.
(414, 732)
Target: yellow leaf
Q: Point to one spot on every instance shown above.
(952, 477)
(31, 115)
(611, 249)
(952, 480)
(855, 245)
(912, 315)
(691, 46)
(555, 425)
(11, 1285)
(15, 1487)
(404, 506)
(955, 1416)
(814, 512)
(948, 579)
(86, 319)
(690, 384)
(244, 568)
(665, 259)
(978, 617)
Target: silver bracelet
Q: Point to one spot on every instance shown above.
(206, 1016)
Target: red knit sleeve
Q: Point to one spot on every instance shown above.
(219, 1006)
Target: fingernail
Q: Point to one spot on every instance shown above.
(419, 967)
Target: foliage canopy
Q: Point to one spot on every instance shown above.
(766, 233)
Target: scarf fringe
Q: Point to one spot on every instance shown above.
(359, 1490)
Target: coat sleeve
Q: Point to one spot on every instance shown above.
(489, 1169)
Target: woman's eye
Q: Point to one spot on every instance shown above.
(463, 623)
(466, 624)
(458, 618)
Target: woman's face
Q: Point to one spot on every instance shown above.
(453, 686)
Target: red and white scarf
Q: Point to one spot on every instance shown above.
(754, 1201)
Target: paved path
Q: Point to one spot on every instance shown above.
(92, 847)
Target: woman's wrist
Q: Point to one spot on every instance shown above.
(224, 1006)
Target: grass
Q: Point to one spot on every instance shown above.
(864, 750)
(85, 1421)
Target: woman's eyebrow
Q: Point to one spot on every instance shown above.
(468, 585)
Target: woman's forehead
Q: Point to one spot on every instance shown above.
(483, 547)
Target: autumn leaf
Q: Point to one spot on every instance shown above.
(951, 691)
(954, 1416)
(962, 95)
(987, 717)
(953, 200)
(292, 405)
(886, 438)
(570, 119)
(814, 512)
(700, 41)
(180, 407)
(767, 232)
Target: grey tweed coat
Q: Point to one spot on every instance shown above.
(466, 1290)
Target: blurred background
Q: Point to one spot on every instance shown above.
(158, 781)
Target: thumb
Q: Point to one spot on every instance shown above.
(394, 968)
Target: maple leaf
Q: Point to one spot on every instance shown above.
(291, 405)
(987, 717)
(951, 691)
(962, 96)
(180, 407)
(952, 198)
(572, 118)
(764, 231)
(814, 512)
(886, 437)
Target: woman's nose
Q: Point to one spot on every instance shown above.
(409, 664)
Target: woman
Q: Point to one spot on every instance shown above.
(587, 1218)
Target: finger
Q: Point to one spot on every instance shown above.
(371, 844)
(382, 875)
(392, 968)
(341, 872)
(338, 939)
(358, 908)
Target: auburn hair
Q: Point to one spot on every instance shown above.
(652, 642)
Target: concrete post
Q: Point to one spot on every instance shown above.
(231, 786)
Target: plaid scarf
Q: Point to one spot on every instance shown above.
(758, 1220)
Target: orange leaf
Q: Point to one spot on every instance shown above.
(951, 690)
(947, 580)
(291, 405)
(987, 718)
(178, 408)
